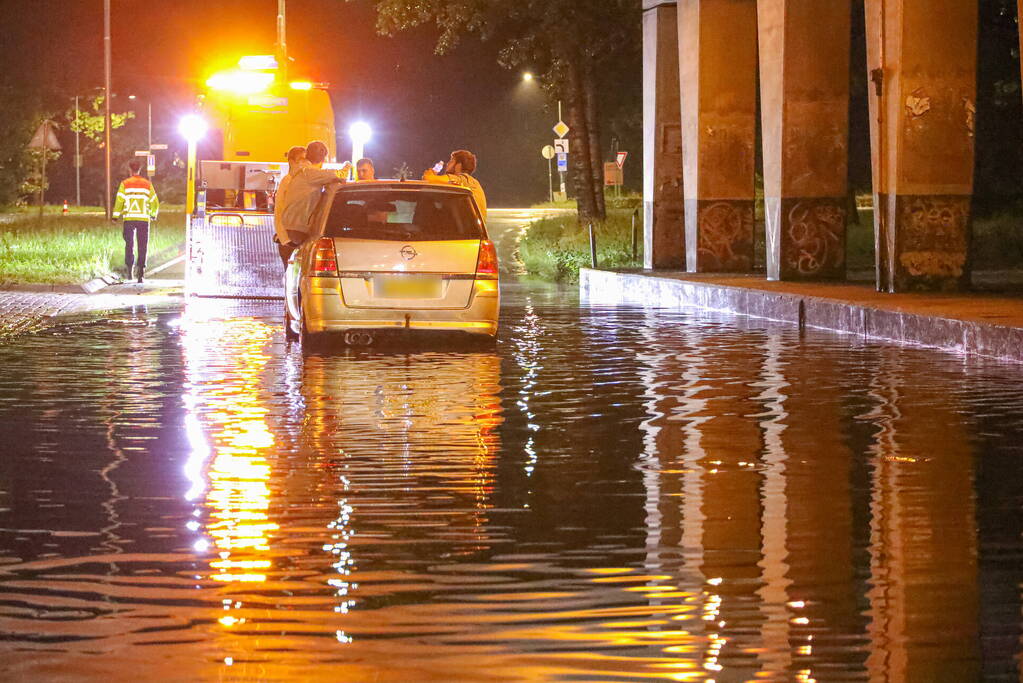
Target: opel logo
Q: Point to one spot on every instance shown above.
(408, 253)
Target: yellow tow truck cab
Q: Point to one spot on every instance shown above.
(258, 114)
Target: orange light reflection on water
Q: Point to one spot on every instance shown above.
(227, 404)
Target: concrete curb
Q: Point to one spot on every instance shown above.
(886, 324)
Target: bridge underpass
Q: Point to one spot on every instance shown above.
(702, 59)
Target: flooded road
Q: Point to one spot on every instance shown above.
(607, 494)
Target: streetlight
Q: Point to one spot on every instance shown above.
(192, 127)
(527, 77)
(149, 107)
(360, 132)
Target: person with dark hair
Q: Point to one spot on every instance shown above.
(458, 171)
(364, 170)
(138, 205)
(304, 191)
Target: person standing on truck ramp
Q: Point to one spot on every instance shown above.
(138, 205)
(304, 191)
(296, 161)
(458, 171)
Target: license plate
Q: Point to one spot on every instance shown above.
(407, 287)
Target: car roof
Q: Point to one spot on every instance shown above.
(418, 185)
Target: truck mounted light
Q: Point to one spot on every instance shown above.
(241, 82)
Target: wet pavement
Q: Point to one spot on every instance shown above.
(26, 311)
(607, 494)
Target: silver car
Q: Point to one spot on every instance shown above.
(387, 258)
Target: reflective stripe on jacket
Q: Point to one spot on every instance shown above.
(136, 200)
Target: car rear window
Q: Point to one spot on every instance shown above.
(404, 215)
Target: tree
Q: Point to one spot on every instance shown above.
(568, 41)
(20, 115)
(90, 122)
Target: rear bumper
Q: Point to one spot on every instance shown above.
(325, 311)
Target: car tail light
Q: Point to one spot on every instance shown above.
(324, 258)
(486, 264)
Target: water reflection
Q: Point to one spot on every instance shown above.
(923, 543)
(612, 494)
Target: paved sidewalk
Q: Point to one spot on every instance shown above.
(22, 312)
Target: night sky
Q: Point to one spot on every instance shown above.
(420, 105)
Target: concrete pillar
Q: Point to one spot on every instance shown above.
(923, 56)
(804, 95)
(663, 231)
(718, 72)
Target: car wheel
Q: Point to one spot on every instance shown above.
(310, 341)
(289, 333)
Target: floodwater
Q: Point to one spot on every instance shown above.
(609, 494)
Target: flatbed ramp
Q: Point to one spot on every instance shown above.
(233, 255)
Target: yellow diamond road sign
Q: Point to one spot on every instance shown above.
(560, 129)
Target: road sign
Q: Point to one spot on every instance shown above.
(45, 137)
(560, 129)
(561, 146)
(141, 152)
(151, 163)
(547, 152)
(157, 146)
(612, 174)
(620, 159)
(562, 162)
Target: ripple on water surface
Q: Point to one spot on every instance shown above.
(607, 494)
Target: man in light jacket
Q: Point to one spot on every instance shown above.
(296, 160)
(458, 171)
(302, 193)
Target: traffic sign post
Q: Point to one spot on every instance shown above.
(45, 140)
(612, 174)
(548, 153)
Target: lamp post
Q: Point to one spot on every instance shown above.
(360, 132)
(528, 79)
(78, 158)
(192, 127)
(106, 106)
(149, 120)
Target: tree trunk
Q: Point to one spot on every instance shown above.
(593, 129)
(579, 143)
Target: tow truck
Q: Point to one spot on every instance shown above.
(255, 113)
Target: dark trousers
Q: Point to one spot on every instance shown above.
(135, 230)
(285, 251)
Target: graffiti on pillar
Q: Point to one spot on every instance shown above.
(918, 104)
(971, 116)
(933, 240)
(815, 237)
(726, 236)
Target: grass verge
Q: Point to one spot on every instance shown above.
(73, 249)
(555, 248)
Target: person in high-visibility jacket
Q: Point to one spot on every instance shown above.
(137, 205)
